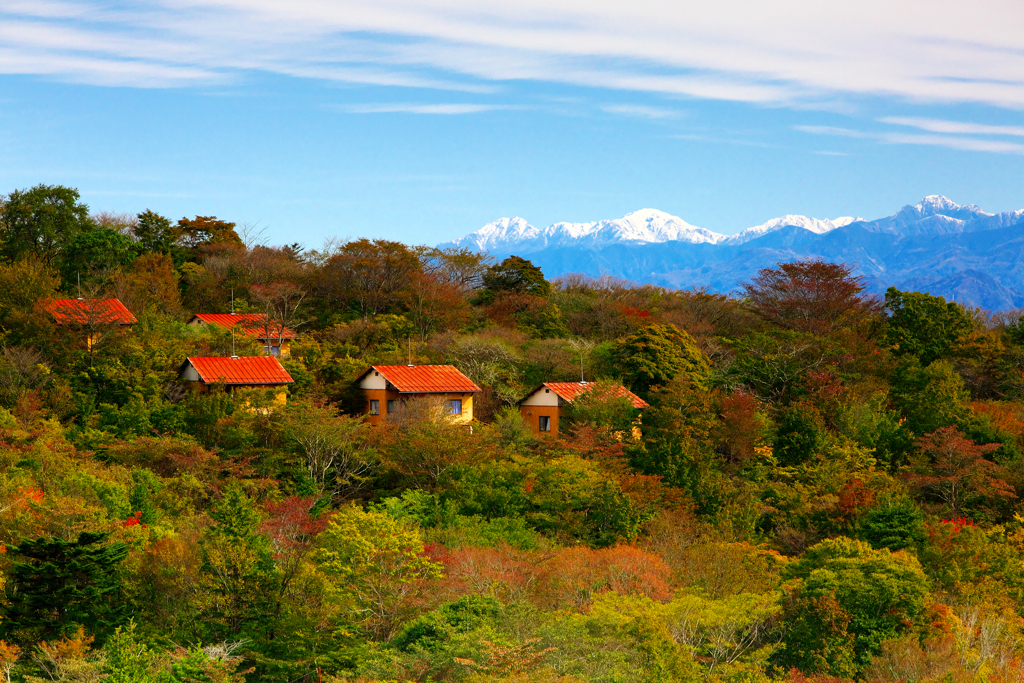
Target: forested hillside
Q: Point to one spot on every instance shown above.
(825, 487)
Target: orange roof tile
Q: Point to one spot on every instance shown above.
(426, 379)
(252, 324)
(250, 370)
(570, 390)
(90, 312)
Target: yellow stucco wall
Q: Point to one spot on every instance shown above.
(384, 396)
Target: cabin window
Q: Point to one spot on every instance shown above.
(273, 350)
(544, 423)
(374, 407)
(393, 406)
(455, 406)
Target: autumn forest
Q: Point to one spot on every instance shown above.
(825, 484)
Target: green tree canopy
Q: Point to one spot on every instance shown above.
(96, 252)
(155, 232)
(516, 274)
(800, 434)
(658, 353)
(894, 522)
(930, 397)
(41, 221)
(851, 599)
(923, 325)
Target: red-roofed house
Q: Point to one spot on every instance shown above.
(275, 340)
(93, 315)
(543, 407)
(386, 386)
(254, 372)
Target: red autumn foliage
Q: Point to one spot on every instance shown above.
(574, 575)
(796, 676)
(135, 520)
(1004, 417)
(553, 580)
(739, 430)
(504, 572)
(291, 528)
(810, 296)
(959, 523)
(853, 498)
(629, 311)
(953, 469)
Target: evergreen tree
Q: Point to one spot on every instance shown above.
(656, 354)
(516, 274)
(238, 568)
(62, 585)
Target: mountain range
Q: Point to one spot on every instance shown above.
(937, 246)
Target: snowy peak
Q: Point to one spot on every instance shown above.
(815, 225)
(936, 204)
(646, 226)
(639, 227)
(499, 234)
(933, 215)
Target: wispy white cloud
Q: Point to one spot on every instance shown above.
(641, 111)
(720, 140)
(969, 144)
(960, 142)
(444, 109)
(832, 130)
(954, 127)
(791, 52)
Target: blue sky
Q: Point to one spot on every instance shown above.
(421, 121)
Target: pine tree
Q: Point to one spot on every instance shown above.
(62, 585)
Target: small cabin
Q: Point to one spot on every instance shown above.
(275, 339)
(542, 408)
(94, 316)
(387, 387)
(237, 372)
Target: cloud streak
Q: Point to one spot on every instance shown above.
(955, 127)
(793, 52)
(436, 109)
(641, 111)
(959, 142)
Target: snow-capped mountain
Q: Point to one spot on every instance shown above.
(647, 226)
(502, 234)
(936, 246)
(815, 225)
(938, 215)
(933, 215)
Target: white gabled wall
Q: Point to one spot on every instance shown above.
(373, 380)
(541, 397)
(189, 373)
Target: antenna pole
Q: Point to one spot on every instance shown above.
(410, 350)
(79, 274)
